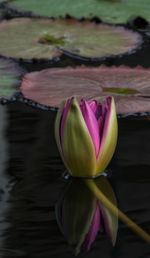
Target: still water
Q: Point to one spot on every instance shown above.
(31, 184)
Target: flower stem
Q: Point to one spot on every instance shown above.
(108, 204)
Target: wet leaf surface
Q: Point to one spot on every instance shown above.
(28, 38)
(130, 87)
(118, 11)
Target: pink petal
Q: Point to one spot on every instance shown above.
(109, 135)
(93, 230)
(93, 105)
(100, 125)
(98, 112)
(105, 111)
(91, 123)
(63, 118)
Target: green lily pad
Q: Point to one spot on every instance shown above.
(10, 74)
(118, 11)
(129, 86)
(43, 38)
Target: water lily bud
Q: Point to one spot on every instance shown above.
(81, 216)
(86, 135)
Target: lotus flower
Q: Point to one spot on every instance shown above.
(86, 135)
(81, 216)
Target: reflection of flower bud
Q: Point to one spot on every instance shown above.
(86, 134)
(80, 215)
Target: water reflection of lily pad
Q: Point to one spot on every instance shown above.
(10, 74)
(118, 11)
(129, 86)
(43, 38)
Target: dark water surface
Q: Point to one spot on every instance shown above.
(31, 183)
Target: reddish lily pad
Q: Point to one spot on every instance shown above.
(43, 38)
(129, 86)
(10, 74)
(116, 11)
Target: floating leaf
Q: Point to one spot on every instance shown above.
(10, 74)
(132, 104)
(129, 86)
(42, 38)
(116, 11)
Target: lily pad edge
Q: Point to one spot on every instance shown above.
(35, 104)
(75, 57)
(21, 73)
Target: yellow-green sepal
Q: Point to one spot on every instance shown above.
(77, 146)
(109, 139)
(57, 128)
